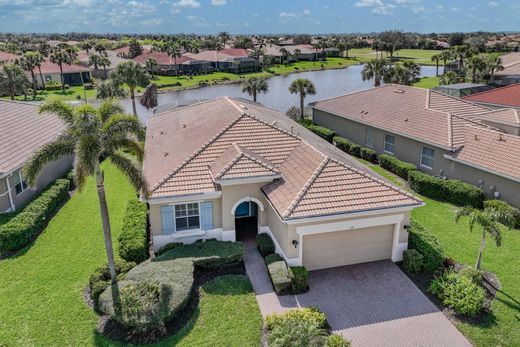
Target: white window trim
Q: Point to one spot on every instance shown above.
(373, 137)
(19, 172)
(187, 231)
(393, 144)
(421, 156)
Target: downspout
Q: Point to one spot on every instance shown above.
(11, 202)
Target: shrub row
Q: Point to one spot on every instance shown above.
(502, 206)
(265, 244)
(369, 155)
(347, 146)
(324, 133)
(168, 85)
(133, 241)
(392, 164)
(412, 261)
(453, 191)
(20, 229)
(280, 274)
(427, 245)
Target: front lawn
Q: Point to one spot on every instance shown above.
(70, 94)
(420, 56)
(427, 82)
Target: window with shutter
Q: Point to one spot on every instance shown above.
(371, 140)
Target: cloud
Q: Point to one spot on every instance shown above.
(369, 3)
(197, 21)
(218, 2)
(418, 9)
(152, 22)
(186, 4)
(378, 6)
(493, 4)
(288, 15)
(306, 12)
(407, 2)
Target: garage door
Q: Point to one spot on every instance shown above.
(347, 247)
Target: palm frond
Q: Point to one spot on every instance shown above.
(60, 108)
(121, 125)
(80, 175)
(48, 153)
(132, 170)
(87, 152)
(109, 108)
(124, 143)
(463, 212)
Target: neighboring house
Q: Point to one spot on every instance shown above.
(460, 90)
(511, 72)
(102, 71)
(122, 52)
(273, 51)
(235, 60)
(23, 131)
(216, 166)
(505, 97)
(331, 52)
(166, 64)
(6, 58)
(307, 52)
(73, 74)
(442, 135)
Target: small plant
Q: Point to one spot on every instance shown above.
(369, 154)
(133, 242)
(412, 261)
(265, 244)
(300, 279)
(337, 341)
(309, 314)
(427, 245)
(280, 274)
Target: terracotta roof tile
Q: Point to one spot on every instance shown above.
(49, 67)
(507, 96)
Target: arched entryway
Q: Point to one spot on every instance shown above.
(246, 212)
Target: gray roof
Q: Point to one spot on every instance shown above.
(461, 86)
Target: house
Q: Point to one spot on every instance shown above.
(511, 72)
(273, 51)
(460, 90)
(225, 168)
(6, 57)
(73, 74)
(166, 64)
(102, 71)
(235, 60)
(306, 52)
(124, 51)
(505, 97)
(442, 135)
(23, 131)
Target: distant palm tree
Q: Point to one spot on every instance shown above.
(303, 87)
(488, 220)
(29, 61)
(59, 58)
(285, 53)
(151, 65)
(476, 65)
(448, 77)
(255, 85)
(87, 45)
(494, 64)
(445, 56)
(94, 59)
(109, 89)
(105, 62)
(374, 69)
(132, 75)
(13, 80)
(174, 51)
(436, 58)
(297, 53)
(93, 134)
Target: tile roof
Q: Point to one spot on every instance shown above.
(7, 57)
(187, 147)
(504, 115)
(419, 113)
(214, 56)
(22, 131)
(507, 96)
(49, 67)
(162, 58)
(511, 64)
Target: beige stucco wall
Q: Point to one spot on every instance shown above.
(233, 193)
(4, 197)
(510, 129)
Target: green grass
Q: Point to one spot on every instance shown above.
(420, 56)
(428, 82)
(69, 94)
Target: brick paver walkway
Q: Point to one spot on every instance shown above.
(372, 304)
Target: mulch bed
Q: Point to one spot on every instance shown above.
(117, 332)
(490, 283)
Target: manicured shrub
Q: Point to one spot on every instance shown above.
(342, 143)
(169, 247)
(265, 244)
(33, 218)
(300, 278)
(473, 274)
(459, 292)
(309, 314)
(412, 261)
(392, 164)
(133, 240)
(99, 280)
(337, 341)
(355, 150)
(427, 245)
(502, 206)
(427, 185)
(280, 274)
(369, 154)
(296, 333)
(53, 85)
(324, 133)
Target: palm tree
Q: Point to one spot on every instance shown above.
(87, 45)
(488, 219)
(94, 59)
(59, 58)
(132, 75)
(13, 80)
(476, 65)
(297, 53)
(445, 56)
(449, 77)
(285, 53)
(93, 134)
(104, 62)
(436, 58)
(109, 89)
(255, 85)
(174, 51)
(462, 53)
(29, 61)
(494, 64)
(376, 69)
(303, 87)
(151, 65)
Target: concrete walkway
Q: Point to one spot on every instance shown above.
(372, 304)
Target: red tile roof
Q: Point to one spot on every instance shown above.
(49, 67)
(162, 58)
(235, 52)
(7, 57)
(507, 96)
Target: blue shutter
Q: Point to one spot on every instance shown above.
(206, 215)
(168, 223)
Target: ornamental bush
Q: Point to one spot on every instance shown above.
(99, 280)
(342, 143)
(392, 164)
(427, 245)
(324, 133)
(32, 219)
(459, 292)
(169, 247)
(337, 341)
(265, 244)
(412, 261)
(427, 185)
(502, 206)
(300, 279)
(133, 240)
(309, 314)
(280, 274)
(369, 154)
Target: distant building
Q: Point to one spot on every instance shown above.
(73, 74)
(460, 90)
(168, 66)
(7, 57)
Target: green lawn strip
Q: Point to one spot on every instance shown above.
(427, 82)
(420, 56)
(387, 174)
(41, 301)
(69, 94)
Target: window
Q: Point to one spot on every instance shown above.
(371, 140)
(427, 157)
(389, 144)
(187, 217)
(19, 184)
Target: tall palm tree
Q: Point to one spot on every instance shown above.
(488, 220)
(28, 62)
(94, 59)
(476, 65)
(174, 51)
(132, 75)
(436, 58)
(303, 87)
(494, 64)
(59, 58)
(105, 62)
(376, 69)
(87, 45)
(255, 85)
(462, 53)
(93, 134)
(297, 53)
(285, 53)
(151, 65)
(13, 80)
(445, 56)
(38, 59)
(449, 77)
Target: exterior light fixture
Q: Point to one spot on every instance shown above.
(295, 243)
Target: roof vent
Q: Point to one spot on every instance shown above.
(292, 129)
(406, 119)
(183, 125)
(273, 123)
(399, 91)
(501, 137)
(161, 132)
(476, 137)
(165, 153)
(243, 106)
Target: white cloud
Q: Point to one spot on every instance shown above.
(418, 9)
(186, 4)
(152, 22)
(378, 6)
(407, 2)
(287, 15)
(306, 12)
(369, 3)
(493, 4)
(218, 2)
(197, 21)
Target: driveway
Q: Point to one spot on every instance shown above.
(372, 304)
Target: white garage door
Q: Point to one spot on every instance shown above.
(347, 247)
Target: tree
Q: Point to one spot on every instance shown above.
(488, 220)
(29, 61)
(476, 65)
(87, 45)
(405, 73)
(449, 77)
(174, 51)
(494, 64)
(285, 53)
(303, 87)
(456, 39)
(13, 80)
(59, 58)
(94, 59)
(134, 49)
(445, 56)
(109, 89)
(297, 53)
(93, 134)
(374, 69)
(104, 62)
(255, 85)
(149, 97)
(436, 58)
(151, 65)
(132, 75)
(462, 53)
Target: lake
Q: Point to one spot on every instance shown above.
(328, 83)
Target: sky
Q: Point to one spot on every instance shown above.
(258, 16)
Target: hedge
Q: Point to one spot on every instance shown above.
(99, 280)
(33, 218)
(502, 206)
(454, 191)
(347, 146)
(392, 164)
(265, 244)
(412, 261)
(426, 244)
(324, 133)
(133, 240)
(300, 279)
(369, 154)
(280, 274)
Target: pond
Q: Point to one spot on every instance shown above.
(328, 83)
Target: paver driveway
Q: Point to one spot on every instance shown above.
(372, 304)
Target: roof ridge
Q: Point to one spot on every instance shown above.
(493, 130)
(197, 152)
(306, 187)
(459, 99)
(450, 129)
(259, 159)
(230, 164)
(187, 106)
(273, 126)
(353, 93)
